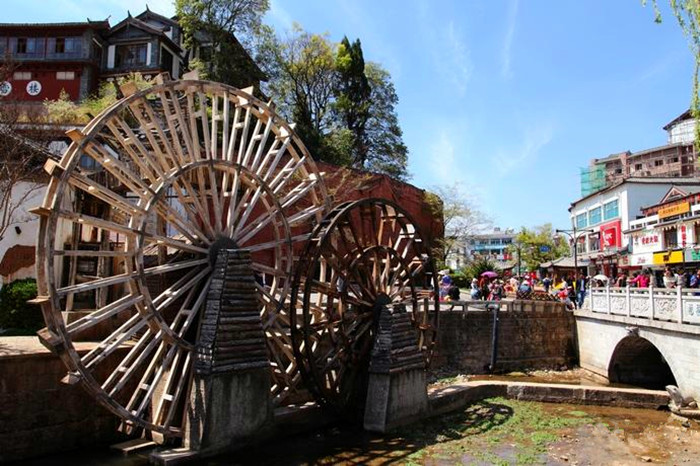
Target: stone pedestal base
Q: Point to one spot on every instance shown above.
(227, 409)
(229, 400)
(397, 392)
(395, 399)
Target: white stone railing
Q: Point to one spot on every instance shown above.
(679, 305)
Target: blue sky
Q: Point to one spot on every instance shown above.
(508, 98)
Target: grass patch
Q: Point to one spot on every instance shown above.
(494, 431)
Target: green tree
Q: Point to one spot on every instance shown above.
(303, 83)
(221, 24)
(460, 218)
(537, 245)
(386, 151)
(352, 103)
(687, 13)
(323, 88)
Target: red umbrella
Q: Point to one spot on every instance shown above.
(489, 274)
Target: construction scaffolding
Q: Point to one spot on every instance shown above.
(592, 179)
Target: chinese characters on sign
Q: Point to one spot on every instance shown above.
(650, 242)
(5, 88)
(33, 88)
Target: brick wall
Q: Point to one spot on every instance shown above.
(534, 335)
(39, 415)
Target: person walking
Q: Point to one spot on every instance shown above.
(580, 290)
(641, 280)
(695, 280)
(546, 282)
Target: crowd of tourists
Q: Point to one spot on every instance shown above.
(669, 278)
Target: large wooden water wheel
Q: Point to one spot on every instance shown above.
(365, 255)
(134, 215)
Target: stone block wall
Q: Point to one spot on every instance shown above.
(39, 415)
(532, 335)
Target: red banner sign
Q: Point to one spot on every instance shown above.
(610, 235)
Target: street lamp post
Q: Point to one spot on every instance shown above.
(575, 234)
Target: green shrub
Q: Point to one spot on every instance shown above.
(460, 279)
(15, 314)
(480, 265)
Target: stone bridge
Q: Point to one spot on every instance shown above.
(646, 337)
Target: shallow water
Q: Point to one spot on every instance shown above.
(490, 431)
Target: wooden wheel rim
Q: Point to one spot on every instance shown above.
(147, 142)
(405, 255)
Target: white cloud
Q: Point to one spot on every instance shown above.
(442, 158)
(506, 70)
(279, 16)
(447, 48)
(456, 57)
(509, 159)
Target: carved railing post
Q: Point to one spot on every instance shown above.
(628, 301)
(679, 305)
(608, 308)
(651, 302)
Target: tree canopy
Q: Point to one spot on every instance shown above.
(220, 24)
(537, 245)
(344, 108)
(687, 13)
(461, 219)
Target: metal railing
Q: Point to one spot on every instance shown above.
(679, 305)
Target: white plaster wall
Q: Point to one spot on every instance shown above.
(597, 340)
(631, 197)
(28, 224)
(683, 132)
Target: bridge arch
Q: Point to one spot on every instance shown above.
(637, 361)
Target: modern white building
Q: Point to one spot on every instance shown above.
(600, 218)
(492, 245)
(669, 231)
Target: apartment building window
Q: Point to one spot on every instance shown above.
(670, 238)
(594, 216)
(594, 242)
(28, 45)
(658, 163)
(637, 166)
(67, 45)
(674, 160)
(610, 210)
(581, 221)
(65, 75)
(131, 55)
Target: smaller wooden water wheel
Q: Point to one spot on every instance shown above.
(363, 256)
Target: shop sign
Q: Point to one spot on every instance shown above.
(642, 259)
(673, 210)
(672, 257)
(623, 261)
(683, 233)
(692, 255)
(649, 242)
(610, 235)
(33, 88)
(5, 88)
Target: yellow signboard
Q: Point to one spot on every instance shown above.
(673, 210)
(673, 257)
